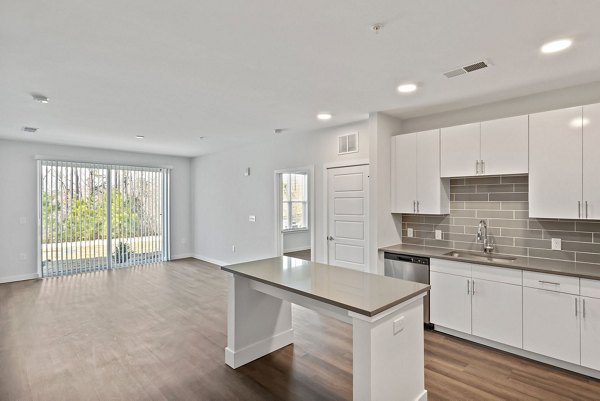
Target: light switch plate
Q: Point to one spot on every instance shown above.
(438, 234)
(410, 232)
(252, 218)
(556, 244)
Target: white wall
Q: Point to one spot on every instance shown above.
(296, 240)
(224, 198)
(18, 178)
(550, 100)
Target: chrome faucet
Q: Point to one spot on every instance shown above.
(482, 235)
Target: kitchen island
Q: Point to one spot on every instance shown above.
(386, 316)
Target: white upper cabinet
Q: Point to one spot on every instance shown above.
(555, 164)
(504, 146)
(460, 150)
(404, 175)
(591, 162)
(416, 183)
(489, 148)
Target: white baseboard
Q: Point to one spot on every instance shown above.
(297, 249)
(521, 352)
(182, 256)
(422, 397)
(210, 260)
(235, 359)
(21, 277)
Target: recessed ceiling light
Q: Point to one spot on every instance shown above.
(140, 136)
(324, 116)
(407, 88)
(40, 98)
(556, 46)
(30, 129)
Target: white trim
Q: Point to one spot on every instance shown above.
(327, 166)
(182, 256)
(21, 277)
(310, 170)
(235, 359)
(39, 217)
(521, 352)
(210, 260)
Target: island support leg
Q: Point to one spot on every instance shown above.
(257, 323)
(388, 359)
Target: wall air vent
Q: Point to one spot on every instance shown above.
(348, 143)
(468, 68)
(30, 129)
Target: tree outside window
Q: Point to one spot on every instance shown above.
(294, 188)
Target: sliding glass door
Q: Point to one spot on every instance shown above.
(95, 217)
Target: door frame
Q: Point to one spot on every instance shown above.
(310, 170)
(326, 168)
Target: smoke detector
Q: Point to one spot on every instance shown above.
(376, 27)
(477, 65)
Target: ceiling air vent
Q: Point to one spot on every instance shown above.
(468, 68)
(30, 129)
(348, 143)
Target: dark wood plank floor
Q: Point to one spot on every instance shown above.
(304, 254)
(158, 332)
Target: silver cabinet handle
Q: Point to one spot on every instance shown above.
(583, 307)
(476, 167)
(418, 211)
(414, 206)
(576, 303)
(579, 208)
(548, 282)
(586, 209)
(468, 286)
(482, 167)
(473, 287)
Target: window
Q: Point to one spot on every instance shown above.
(294, 187)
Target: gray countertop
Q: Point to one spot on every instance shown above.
(364, 293)
(582, 270)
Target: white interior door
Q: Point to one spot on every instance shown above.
(347, 215)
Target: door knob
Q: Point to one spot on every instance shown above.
(330, 238)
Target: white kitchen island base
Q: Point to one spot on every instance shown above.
(388, 347)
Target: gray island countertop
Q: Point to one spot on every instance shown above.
(364, 293)
(582, 270)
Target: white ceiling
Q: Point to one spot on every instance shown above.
(232, 71)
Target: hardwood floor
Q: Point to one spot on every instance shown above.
(304, 254)
(158, 332)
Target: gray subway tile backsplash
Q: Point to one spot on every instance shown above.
(502, 202)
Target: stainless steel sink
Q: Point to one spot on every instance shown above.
(480, 256)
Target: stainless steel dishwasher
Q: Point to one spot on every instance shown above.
(410, 268)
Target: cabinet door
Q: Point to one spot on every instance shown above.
(460, 150)
(591, 161)
(555, 163)
(498, 312)
(404, 173)
(551, 324)
(432, 195)
(590, 333)
(450, 301)
(505, 146)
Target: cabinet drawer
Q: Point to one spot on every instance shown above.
(450, 267)
(590, 288)
(498, 274)
(551, 282)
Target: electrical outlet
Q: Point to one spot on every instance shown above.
(251, 218)
(438, 234)
(410, 232)
(233, 248)
(556, 244)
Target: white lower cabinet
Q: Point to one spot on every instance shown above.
(590, 332)
(450, 301)
(497, 312)
(551, 324)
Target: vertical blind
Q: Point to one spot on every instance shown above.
(96, 217)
